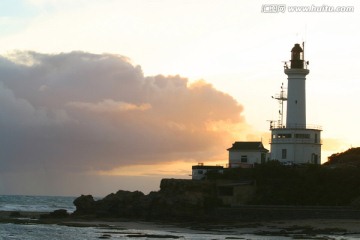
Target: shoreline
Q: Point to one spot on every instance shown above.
(285, 228)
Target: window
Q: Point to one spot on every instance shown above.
(302, 135)
(316, 138)
(283, 153)
(200, 172)
(284, 135)
(244, 158)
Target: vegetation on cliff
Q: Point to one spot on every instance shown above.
(306, 185)
(335, 183)
(349, 158)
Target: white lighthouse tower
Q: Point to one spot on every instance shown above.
(296, 142)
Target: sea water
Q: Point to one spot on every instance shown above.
(35, 203)
(33, 231)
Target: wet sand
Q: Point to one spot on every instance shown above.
(304, 227)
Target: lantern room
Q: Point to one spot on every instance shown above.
(297, 57)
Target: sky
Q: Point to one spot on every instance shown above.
(97, 96)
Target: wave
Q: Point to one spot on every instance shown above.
(35, 203)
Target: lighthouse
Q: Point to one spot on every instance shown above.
(295, 142)
(296, 102)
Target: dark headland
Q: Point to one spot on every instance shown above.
(267, 192)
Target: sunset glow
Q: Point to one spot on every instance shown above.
(116, 89)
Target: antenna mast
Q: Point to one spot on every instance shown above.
(303, 45)
(281, 98)
(305, 62)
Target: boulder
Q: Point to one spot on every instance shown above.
(121, 204)
(85, 204)
(60, 213)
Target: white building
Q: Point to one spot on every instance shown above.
(199, 171)
(295, 142)
(246, 154)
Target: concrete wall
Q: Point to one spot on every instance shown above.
(241, 194)
(252, 157)
(299, 150)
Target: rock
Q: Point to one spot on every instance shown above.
(15, 214)
(60, 213)
(156, 236)
(85, 205)
(186, 200)
(105, 236)
(121, 204)
(177, 200)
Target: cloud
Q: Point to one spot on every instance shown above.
(83, 112)
(109, 105)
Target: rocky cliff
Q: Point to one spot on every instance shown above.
(177, 199)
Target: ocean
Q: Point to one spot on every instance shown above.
(118, 230)
(35, 203)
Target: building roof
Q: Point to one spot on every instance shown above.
(205, 167)
(249, 146)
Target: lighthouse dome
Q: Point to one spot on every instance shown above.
(297, 48)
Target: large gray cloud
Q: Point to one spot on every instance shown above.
(83, 112)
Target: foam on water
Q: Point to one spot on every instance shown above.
(35, 203)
